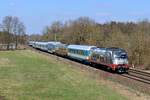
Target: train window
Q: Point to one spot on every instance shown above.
(120, 55)
(97, 55)
(81, 52)
(76, 51)
(85, 53)
(94, 55)
(70, 50)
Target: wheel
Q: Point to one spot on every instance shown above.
(120, 70)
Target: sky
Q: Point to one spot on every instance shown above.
(36, 14)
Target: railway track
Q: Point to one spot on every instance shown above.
(135, 79)
(138, 75)
(133, 74)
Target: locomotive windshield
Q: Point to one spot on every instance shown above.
(120, 55)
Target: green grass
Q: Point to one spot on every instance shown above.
(26, 75)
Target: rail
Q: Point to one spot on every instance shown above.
(138, 75)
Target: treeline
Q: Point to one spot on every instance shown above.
(133, 37)
(12, 31)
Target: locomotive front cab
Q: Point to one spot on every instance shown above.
(120, 61)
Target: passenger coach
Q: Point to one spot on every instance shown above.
(80, 52)
(52, 46)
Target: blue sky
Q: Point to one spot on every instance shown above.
(36, 14)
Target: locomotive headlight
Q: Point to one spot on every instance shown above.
(87, 58)
(115, 61)
(126, 61)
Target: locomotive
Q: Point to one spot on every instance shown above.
(115, 59)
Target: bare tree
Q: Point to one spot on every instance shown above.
(13, 28)
(7, 28)
(56, 28)
(21, 33)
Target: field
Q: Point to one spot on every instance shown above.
(27, 75)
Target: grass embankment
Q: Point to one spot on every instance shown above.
(27, 75)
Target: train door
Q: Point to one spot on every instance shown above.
(108, 58)
(93, 57)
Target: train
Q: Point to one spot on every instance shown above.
(114, 59)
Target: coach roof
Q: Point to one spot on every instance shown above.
(54, 43)
(41, 43)
(81, 47)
